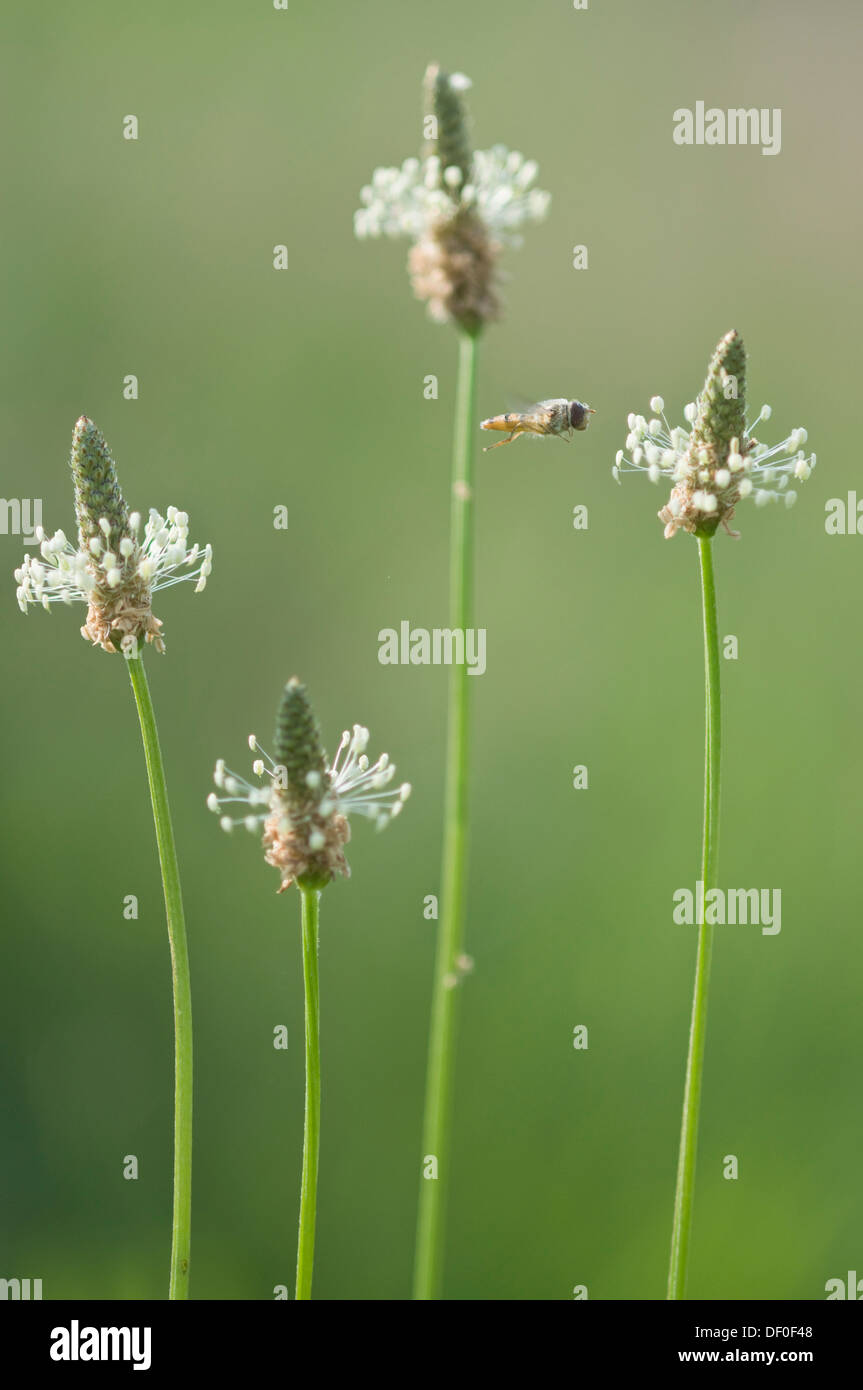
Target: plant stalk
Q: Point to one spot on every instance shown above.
(428, 1270)
(183, 1075)
(683, 1198)
(310, 899)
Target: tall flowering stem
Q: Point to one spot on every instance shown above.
(303, 805)
(301, 818)
(713, 463)
(115, 572)
(460, 207)
(450, 941)
(182, 993)
(311, 898)
(683, 1197)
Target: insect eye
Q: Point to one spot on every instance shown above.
(578, 415)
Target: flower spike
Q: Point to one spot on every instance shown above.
(717, 461)
(301, 803)
(458, 207)
(111, 569)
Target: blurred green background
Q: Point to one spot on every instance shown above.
(305, 388)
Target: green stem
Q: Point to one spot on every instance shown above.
(182, 1214)
(683, 1197)
(310, 898)
(441, 1055)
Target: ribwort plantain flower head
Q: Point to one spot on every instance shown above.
(459, 207)
(301, 804)
(113, 569)
(717, 460)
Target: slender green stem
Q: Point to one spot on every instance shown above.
(310, 898)
(683, 1196)
(441, 1055)
(182, 1214)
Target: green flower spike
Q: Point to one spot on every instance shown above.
(301, 803)
(112, 570)
(717, 462)
(457, 205)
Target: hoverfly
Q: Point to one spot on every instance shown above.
(558, 417)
